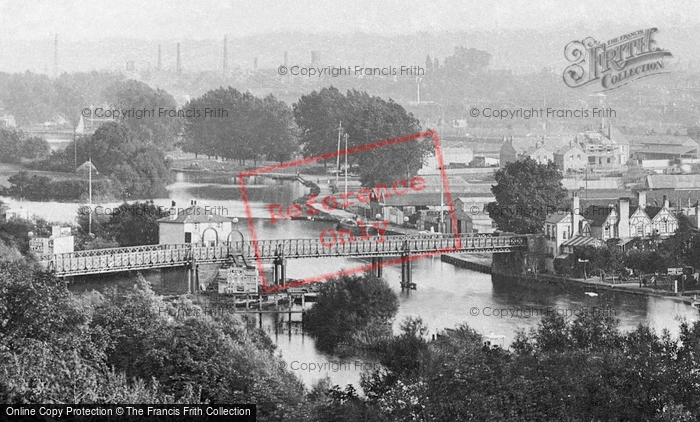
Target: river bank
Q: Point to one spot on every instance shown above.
(482, 263)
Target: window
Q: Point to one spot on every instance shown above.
(571, 157)
(607, 231)
(608, 160)
(564, 235)
(664, 226)
(196, 227)
(578, 156)
(600, 161)
(640, 229)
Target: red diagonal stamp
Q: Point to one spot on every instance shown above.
(357, 237)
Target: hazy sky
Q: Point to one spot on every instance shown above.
(77, 20)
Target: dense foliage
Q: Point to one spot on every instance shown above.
(131, 347)
(351, 311)
(15, 146)
(126, 225)
(252, 129)
(160, 127)
(526, 192)
(43, 188)
(34, 98)
(366, 120)
(577, 370)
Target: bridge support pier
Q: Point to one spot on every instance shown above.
(280, 269)
(406, 274)
(377, 266)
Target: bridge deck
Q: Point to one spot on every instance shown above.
(161, 256)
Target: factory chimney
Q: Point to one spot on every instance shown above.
(225, 55)
(178, 65)
(160, 60)
(55, 56)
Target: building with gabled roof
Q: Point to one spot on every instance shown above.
(571, 157)
(194, 224)
(606, 149)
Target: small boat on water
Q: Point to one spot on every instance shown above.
(356, 227)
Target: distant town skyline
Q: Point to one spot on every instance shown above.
(86, 20)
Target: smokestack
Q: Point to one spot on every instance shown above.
(55, 56)
(642, 200)
(623, 227)
(178, 65)
(666, 203)
(160, 61)
(225, 54)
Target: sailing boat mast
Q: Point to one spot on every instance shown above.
(337, 161)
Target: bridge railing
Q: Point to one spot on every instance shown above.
(113, 259)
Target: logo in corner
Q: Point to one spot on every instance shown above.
(616, 62)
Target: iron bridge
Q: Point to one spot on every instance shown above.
(99, 261)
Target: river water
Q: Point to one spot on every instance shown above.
(445, 297)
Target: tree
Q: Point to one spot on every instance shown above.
(526, 192)
(35, 148)
(346, 305)
(156, 129)
(373, 120)
(318, 116)
(366, 120)
(253, 129)
(135, 224)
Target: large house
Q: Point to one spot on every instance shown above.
(625, 222)
(564, 230)
(606, 149)
(571, 157)
(595, 224)
(596, 150)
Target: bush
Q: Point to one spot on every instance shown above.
(349, 308)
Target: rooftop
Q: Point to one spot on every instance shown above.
(194, 214)
(673, 181)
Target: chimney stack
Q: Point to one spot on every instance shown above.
(225, 54)
(623, 227)
(642, 200)
(178, 65)
(160, 60)
(666, 203)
